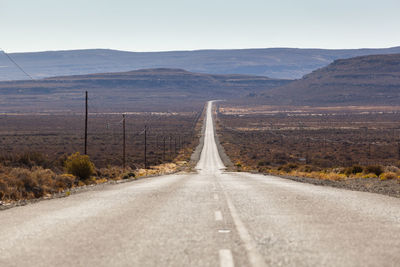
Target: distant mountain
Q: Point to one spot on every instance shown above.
(285, 63)
(367, 80)
(142, 90)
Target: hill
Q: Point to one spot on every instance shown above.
(141, 90)
(367, 80)
(283, 63)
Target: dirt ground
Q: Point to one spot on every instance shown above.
(371, 185)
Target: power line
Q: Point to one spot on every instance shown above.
(18, 66)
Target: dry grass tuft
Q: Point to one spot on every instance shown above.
(388, 176)
(22, 183)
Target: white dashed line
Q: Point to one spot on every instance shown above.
(216, 197)
(225, 258)
(254, 256)
(218, 216)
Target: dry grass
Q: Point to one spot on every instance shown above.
(336, 174)
(17, 183)
(23, 183)
(388, 176)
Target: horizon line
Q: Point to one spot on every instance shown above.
(194, 50)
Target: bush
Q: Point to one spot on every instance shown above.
(288, 167)
(64, 181)
(3, 189)
(263, 163)
(31, 159)
(388, 176)
(113, 172)
(80, 166)
(353, 170)
(129, 175)
(369, 175)
(392, 169)
(374, 169)
(308, 168)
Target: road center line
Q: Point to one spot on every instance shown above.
(225, 258)
(254, 256)
(218, 216)
(216, 196)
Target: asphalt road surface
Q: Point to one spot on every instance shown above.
(209, 218)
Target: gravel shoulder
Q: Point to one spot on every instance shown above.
(371, 185)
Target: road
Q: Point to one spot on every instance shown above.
(208, 218)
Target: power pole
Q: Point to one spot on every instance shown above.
(163, 155)
(157, 142)
(170, 146)
(123, 142)
(369, 150)
(398, 150)
(145, 146)
(175, 145)
(86, 120)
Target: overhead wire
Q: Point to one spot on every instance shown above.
(16, 64)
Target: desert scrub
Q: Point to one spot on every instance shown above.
(369, 175)
(80, 166)
(23, 183)
(113, 172)
(392, 168)
(387, 176)
(288, 167)
(376, 169)
(353, 170)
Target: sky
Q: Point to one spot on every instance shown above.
(164, 25)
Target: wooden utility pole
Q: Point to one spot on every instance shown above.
(369, 150)
(123, 142)
(398, 150)
(175, 145)
(145, 146)
(163, 155)
(170, 146)
(86, 120)
(156, 145)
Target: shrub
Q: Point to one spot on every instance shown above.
(114, 172)
(129, 175)
(263, 163)
(388, 176)
(64, 181)
(308, 168)
(30, 159)
(353, 170)
(79, 165)
(3, 189)
(369, 175)
(392, 169)
(374, 169)
(28, 182)
(288, 167)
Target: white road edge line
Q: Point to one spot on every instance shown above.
(218, 216)
(225, 258)
(254, 256)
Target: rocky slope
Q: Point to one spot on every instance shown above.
(367, 80)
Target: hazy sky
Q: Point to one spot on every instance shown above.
(159, 25)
